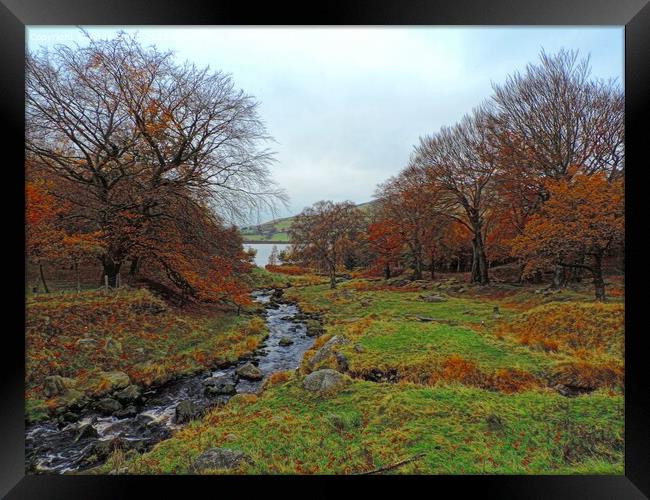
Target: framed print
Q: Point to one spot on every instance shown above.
(390, 243)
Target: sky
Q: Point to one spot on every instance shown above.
(345, 105)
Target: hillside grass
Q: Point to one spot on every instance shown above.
(471, 396)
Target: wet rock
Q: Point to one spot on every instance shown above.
(56, 385)
(112, 381)
(285, 341)
(216, 386)
(325, 382)
(70, 417)
(108, 406)
(186, 411)
(129, 411)
(86, 431)
(324, 353)
(277, 293)
(129, 394)
(250, 372)
(219, 458)
(314, 328)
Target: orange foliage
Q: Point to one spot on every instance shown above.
(289, 270)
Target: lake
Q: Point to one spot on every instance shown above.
(264, 251)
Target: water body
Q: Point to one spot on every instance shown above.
(51, 447)
(264, 251)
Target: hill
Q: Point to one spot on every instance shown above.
(276, 231)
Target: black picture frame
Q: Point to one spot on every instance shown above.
(15, 15)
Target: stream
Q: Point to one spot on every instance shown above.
(53, 448)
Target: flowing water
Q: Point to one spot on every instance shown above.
(51, 447)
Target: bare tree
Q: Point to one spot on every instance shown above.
(462, 162)
(137, 133)
(321, 234)
(554, 121)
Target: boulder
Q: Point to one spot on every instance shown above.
(108, 406)
(86, 431)
(217, 386)
(129, 394)
(314, 328)
(185, 411)
(325, 352)
(285, 341)
(111, 381)
(249, 372)
(70, 417)
(325, 382)
(219, 459)
(129, 411)
(56, 385)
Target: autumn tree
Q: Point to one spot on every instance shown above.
(386, 242)
(549, 121)
(411, 205)
(584, 215)
(323, 233)
(138, 140)
(461, 162)
(43, 234)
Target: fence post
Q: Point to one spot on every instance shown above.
(106, 281)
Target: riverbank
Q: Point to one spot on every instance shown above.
(425, 377)
(83, 345)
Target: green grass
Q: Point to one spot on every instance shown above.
(459, 430)
(486, 417)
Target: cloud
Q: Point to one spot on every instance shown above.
(345, 105)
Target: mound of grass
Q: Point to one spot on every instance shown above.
(570, 327)
(447, 430)
(82, 335)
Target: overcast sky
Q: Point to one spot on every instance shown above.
(346, 105)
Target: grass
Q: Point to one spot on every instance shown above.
(459, 430)
(473, 396)
(125, 330)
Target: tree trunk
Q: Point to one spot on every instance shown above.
(135, 266)
(432, 267)
(559, 277)
(599, 283)
(479, 260)
(111, 269)
(417, 269)
(387, 271)
(76, 268)
(40, 270)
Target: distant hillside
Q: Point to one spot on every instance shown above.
(276, 231)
